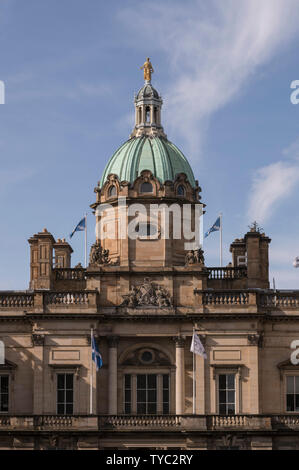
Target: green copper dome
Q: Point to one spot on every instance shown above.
(156, 154)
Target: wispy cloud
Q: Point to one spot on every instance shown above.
(271, 184)
(213, 48)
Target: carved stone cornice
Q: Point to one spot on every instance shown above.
(37, 339)
(179, 341)
(112, 341)
(256, 340)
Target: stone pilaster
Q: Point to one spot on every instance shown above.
(112, 374)
(180, 374)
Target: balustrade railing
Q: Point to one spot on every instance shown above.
(66, 298)
(228, 421)
(147, 422)
(159, 421)
(279, 299)
(225, 298)
(238, 272)
(54, 421)
(69, 274)
(15, 299)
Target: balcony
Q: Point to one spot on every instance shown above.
(143, 423)
(49, 301)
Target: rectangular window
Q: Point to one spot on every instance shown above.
(292, 393)
(146, 394)
(226, 394)
(65, 394)
(165, 394)
(128, 394)
(4, 393)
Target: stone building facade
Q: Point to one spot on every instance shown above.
(144, 296)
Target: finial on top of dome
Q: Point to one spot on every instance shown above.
(147, 70)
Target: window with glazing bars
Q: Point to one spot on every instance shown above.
(226, 394)
(65, 394)
(4, 393)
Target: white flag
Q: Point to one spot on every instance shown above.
(197, 347)
(296, 262)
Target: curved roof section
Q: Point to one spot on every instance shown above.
(156, 154)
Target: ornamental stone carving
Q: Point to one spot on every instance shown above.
(256, 340)
(37, 339)
(97, 255)
(149, 294)
(195, 257)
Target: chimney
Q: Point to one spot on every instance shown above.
(63, 253)
(257, 247)
(41, 260)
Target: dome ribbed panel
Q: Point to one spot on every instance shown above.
(156, 154)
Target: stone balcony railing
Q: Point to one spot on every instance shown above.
(48, 300)
(210, 300)
(16, 299)
(238, 272)
(119, 423)
(69, 274)
(279, 299)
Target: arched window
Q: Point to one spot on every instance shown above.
(155, 116)
(147, 114)
(140, 116)
(112, 191)
(181, 190)
(146, 187)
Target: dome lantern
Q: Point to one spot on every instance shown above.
(148, 105)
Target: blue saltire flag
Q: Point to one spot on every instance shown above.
(80, 227)
(96, 355)
(215, 227)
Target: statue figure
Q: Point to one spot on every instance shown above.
(195, 257)
(199, 256)
(98, 255)
(190, 258)
(147, 70)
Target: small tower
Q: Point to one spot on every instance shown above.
(148, 104)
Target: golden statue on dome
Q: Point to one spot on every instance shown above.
(147, 70)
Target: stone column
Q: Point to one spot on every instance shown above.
(112, 375)
(180, 375)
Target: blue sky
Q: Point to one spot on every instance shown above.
(224, 69)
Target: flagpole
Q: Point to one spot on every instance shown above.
(220, 215)
(194, 384)
(85, 240)
(91, 374)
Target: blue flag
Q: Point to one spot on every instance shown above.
(215, 227)
(96, 355)
(80, 227)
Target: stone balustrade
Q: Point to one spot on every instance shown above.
(67, 298)
(251, 299)
(149, 422)
(16, 299)
(238, 272)
(69, 274)
(279, 299)
(225, 298)
(140, 421)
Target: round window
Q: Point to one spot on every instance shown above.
(147, 356)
